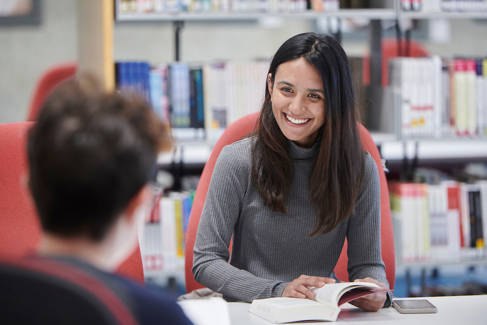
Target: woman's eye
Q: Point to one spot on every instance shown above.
(314, 96)
(286, 89)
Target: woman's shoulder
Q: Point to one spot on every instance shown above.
(241, 148)
(370, 167)
(238, 153)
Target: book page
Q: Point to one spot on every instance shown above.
(281, 302)
(331, 293)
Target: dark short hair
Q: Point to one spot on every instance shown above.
(89, 153)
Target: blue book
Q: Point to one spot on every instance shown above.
(197, 107)
(179, 95)
(155, 91)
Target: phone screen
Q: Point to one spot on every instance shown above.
(413, 306)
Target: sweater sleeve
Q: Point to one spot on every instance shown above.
(363, 235)
(222, 208)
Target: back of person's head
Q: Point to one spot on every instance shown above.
(89, 153)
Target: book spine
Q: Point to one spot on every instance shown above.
(471, 97)
(454, 203)
(484, 92)
(461, 119)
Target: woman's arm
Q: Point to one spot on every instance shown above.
(363, 235)
(222, 207)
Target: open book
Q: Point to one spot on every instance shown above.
(325, 306)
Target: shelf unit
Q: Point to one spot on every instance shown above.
(100, 14)
(392, 149)
(441, 15)
(244, 16)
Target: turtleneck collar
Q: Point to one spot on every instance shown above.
(301, 153)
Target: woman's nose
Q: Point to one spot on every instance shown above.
(297, 105)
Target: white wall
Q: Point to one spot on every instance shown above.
(203, 41)
(27, 51)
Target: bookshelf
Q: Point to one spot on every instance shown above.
(232, 17)
(196, 153)
(441, 15)
(392, 149)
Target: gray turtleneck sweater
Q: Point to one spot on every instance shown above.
(270, 249)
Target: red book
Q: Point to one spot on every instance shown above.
(454, 203)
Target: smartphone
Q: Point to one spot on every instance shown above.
(414, 306)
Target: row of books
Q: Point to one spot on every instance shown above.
(162, 243)
(444, 5)
(412, 5)
(438, 222)
(437, 97)
(223, 6)
(207, 96)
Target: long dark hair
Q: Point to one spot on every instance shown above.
(338, 169)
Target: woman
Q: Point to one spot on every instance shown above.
(293, 192)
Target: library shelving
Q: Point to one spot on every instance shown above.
(442, 15)
(393, 148)
(243, 16)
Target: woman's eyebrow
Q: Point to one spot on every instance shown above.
(285, 83)
(316, 90)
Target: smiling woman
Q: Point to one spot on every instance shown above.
(295, 190)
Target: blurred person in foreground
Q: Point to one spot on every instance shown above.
(91, 155)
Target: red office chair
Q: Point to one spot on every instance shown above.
(391, 50)
(238, 130)
(42, 291)
(50, 79)
(19, 225)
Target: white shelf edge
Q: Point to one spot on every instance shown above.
(202, 17)
(444, 15)
(436, 149)
(481, 260)
(198, 152)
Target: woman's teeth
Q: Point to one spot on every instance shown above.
(296, 121)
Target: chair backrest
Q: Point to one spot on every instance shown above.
(41, 291)
(390, 49)
(50, 79)
(19, 224)
(238, 130)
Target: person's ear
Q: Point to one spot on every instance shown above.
(137, 201)
(269, 83)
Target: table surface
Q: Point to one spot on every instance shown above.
(465, 310)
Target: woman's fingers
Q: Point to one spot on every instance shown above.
(301, 286)
(371, 302)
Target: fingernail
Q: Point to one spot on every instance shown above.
(321, 284)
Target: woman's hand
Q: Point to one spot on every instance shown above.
(372, 302)
(301, 287)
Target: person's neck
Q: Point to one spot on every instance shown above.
(94, 253)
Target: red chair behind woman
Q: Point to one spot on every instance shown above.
(238, 130)
(49, 79)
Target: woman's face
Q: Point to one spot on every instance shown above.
(298, 101)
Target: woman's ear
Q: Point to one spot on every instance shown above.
(269, 83)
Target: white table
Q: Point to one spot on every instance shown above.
(463, 310)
